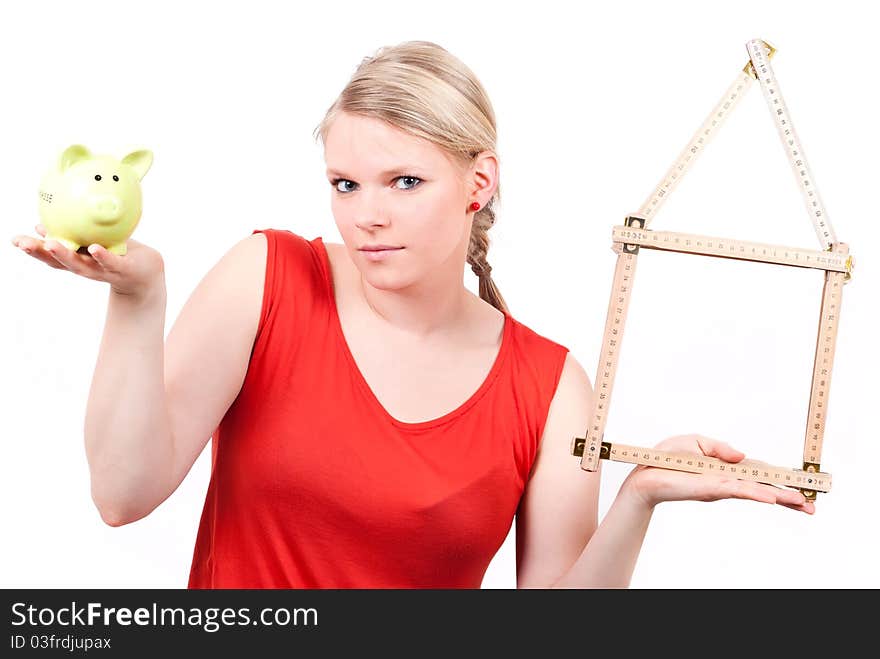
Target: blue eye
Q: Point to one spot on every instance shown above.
(349, 186)
(411, 178)
(335, 183)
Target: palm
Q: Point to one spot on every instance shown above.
(654, 485)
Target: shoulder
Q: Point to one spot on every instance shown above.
(574, 382)
(279, 239)
(538, 352)
(567, 382)
(275, 263)
(547, 368)
(246, 258)
(529, 337)
(282, 251)
(573, 389)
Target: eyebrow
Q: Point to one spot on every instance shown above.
(397, 170)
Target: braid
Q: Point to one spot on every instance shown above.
(477, 251)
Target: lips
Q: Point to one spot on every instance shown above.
(374, 255)
(379, 248)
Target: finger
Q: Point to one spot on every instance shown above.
(58, 251)
(741, 489)
(782, 496)
(35, 248)
(754, 491)
(772, 494)
(19, 239)
(105, 258)
(41, 230)
(807, 507)
(76, 263)
(795, 500)
(787, 497)
(718, 449)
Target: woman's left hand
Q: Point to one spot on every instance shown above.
(653, 485)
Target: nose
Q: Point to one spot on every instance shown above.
(371, 210)
(369, 219)
(106, 208)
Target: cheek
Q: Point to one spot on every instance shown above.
(342, 217)
(440, 211)
(336, 208)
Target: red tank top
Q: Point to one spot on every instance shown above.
(315, 485)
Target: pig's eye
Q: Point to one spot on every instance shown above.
(115, 178)
(97, 177)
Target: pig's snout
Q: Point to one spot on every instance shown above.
(106, 209)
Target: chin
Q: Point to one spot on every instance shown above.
(384, 281)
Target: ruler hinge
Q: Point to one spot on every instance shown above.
(810, 495)
(579, 445)
(638, 223)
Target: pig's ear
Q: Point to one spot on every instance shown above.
(72, 155)
(139, 161)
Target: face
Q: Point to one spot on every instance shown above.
(391, 188)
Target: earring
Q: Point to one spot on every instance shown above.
(475, 206)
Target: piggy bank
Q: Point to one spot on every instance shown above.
(87, 198)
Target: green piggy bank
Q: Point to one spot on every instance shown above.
(87, 198)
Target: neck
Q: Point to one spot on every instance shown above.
(422, 310)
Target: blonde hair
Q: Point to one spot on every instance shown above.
(422, 89)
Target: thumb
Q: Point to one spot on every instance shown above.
(718, 449)
(104, 258)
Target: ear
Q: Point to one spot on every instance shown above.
(72, 155)
(484, 176)
(139, 161)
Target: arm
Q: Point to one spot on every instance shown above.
(609, 559)
(559, 540)
(154, 405)
(127, 430)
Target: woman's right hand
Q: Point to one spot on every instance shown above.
(139, 272)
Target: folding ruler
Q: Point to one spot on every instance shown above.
(634, 234)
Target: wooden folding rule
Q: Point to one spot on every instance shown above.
(634, 235)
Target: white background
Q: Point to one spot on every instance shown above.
(593, 106)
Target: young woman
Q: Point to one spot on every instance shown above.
(375, 424)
